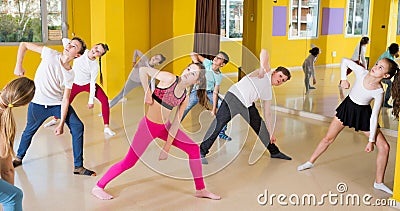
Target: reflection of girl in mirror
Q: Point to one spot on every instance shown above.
(359, 53)
(355, 112)
(308, 68)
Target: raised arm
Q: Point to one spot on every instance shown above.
(264, 65)
(196, 57)
(146, 72)
(23, 47)
(136, 54)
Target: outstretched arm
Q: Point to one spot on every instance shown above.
(162, 76)
(23, 47)
(268, 119)
(197, 57)
(64, 110)
(264, 65)
(173, 130)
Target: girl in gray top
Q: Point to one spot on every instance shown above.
(133, 79)
(308, 68)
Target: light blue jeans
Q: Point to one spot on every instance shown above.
(10, 196)
(193, 100)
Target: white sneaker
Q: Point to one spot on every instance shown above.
(123, 100)
(100, 114)
(51, 123)
(109, 132)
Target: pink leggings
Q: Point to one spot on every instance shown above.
(147, 131)
(99, 94)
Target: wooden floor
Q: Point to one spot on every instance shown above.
(48, 183)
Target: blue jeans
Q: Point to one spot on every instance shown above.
(193, 100)
(37, 114)
(10, 196)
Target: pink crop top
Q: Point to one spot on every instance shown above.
(166, 96)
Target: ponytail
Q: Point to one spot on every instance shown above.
(101, 74)
(17, 93)
(395, 92)
(7, 131)
(201, 91)
(106, 48)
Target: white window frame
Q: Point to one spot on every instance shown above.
(227, 23)
(354, 14)
(299, 37)
(45, 27)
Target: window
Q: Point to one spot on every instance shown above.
(232, 18)
(21, 21)
(304, 18)
(357, 17)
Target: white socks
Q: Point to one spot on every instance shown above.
(382, 187)
(100, 193)
(306, 165)
(51, 123)
(109, 132)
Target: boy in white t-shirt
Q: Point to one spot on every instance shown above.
(53, 80)
(240, 99)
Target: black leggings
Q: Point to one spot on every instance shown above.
(230, 107)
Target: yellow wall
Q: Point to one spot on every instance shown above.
(293, 52)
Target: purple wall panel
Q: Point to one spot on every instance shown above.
(332, 21)
(279, 21)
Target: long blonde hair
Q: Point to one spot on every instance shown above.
(17, 92)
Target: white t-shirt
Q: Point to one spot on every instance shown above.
(362, 96)
(51, 78)
(250, 89)
(86, 72)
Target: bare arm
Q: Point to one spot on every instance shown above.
(64, 110)
(7, 169)
(23, 47)
(196, 57)
(268, 119)
(162, 76)
(215, 100)
(173, 129)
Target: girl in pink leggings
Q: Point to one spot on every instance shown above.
(86, 69)
(156, 125)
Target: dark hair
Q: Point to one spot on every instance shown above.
(106, 48)
(226, 57)
(83, 48)
(314, 51)
(395, 90)
(364, 41)
(285, 71)
(393, 48)
(162, 58)
(18, 92)
(201, 91)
